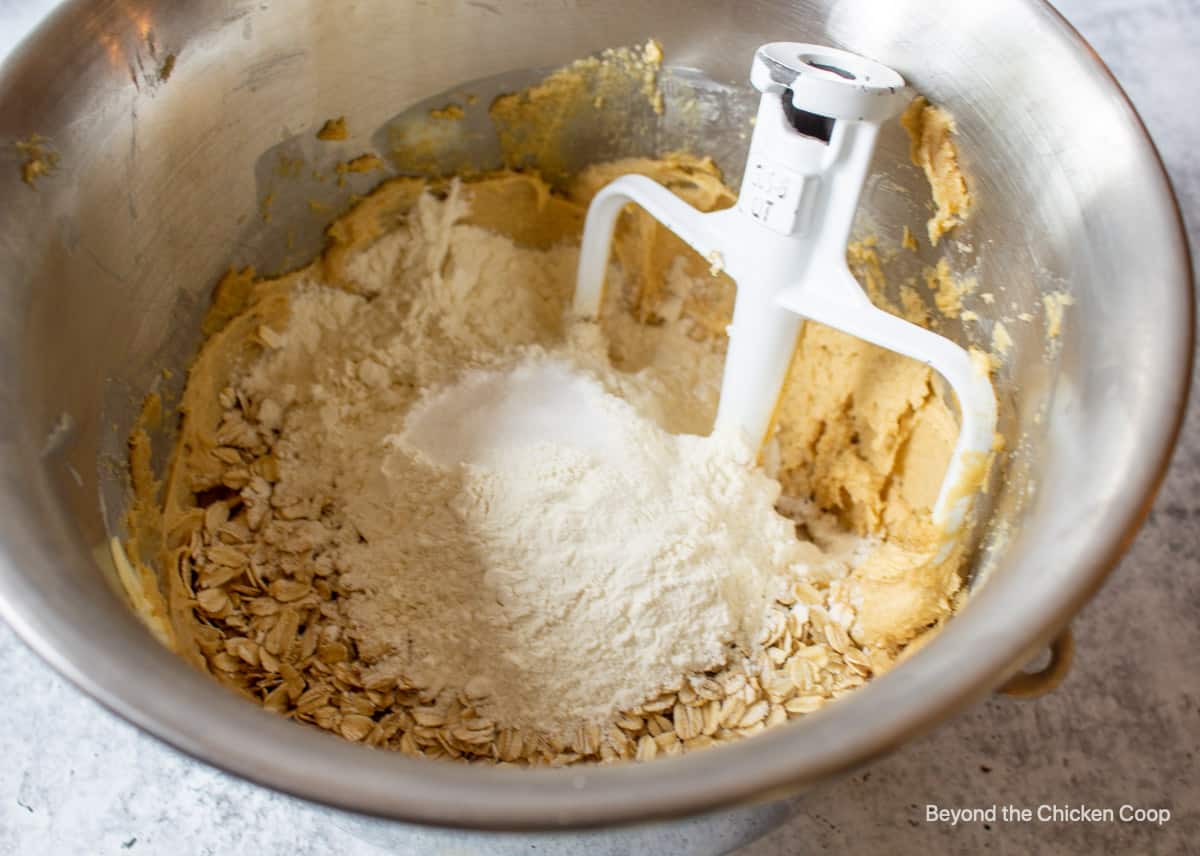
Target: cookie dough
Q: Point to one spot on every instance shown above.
(862, 432)
(931, 130)
(860, 445)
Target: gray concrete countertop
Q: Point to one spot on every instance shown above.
(1123, 730)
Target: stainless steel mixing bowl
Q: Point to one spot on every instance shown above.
(166, 118)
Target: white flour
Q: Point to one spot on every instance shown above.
(518, 533)
(608, 557)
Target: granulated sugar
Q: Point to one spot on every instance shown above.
(487, 415)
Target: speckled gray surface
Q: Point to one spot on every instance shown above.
(1123, 729)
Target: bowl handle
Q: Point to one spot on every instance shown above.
(1034, 684)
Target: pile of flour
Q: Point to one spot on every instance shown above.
(605, 557)
(509, 517)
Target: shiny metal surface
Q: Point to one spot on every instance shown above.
(106, 267)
